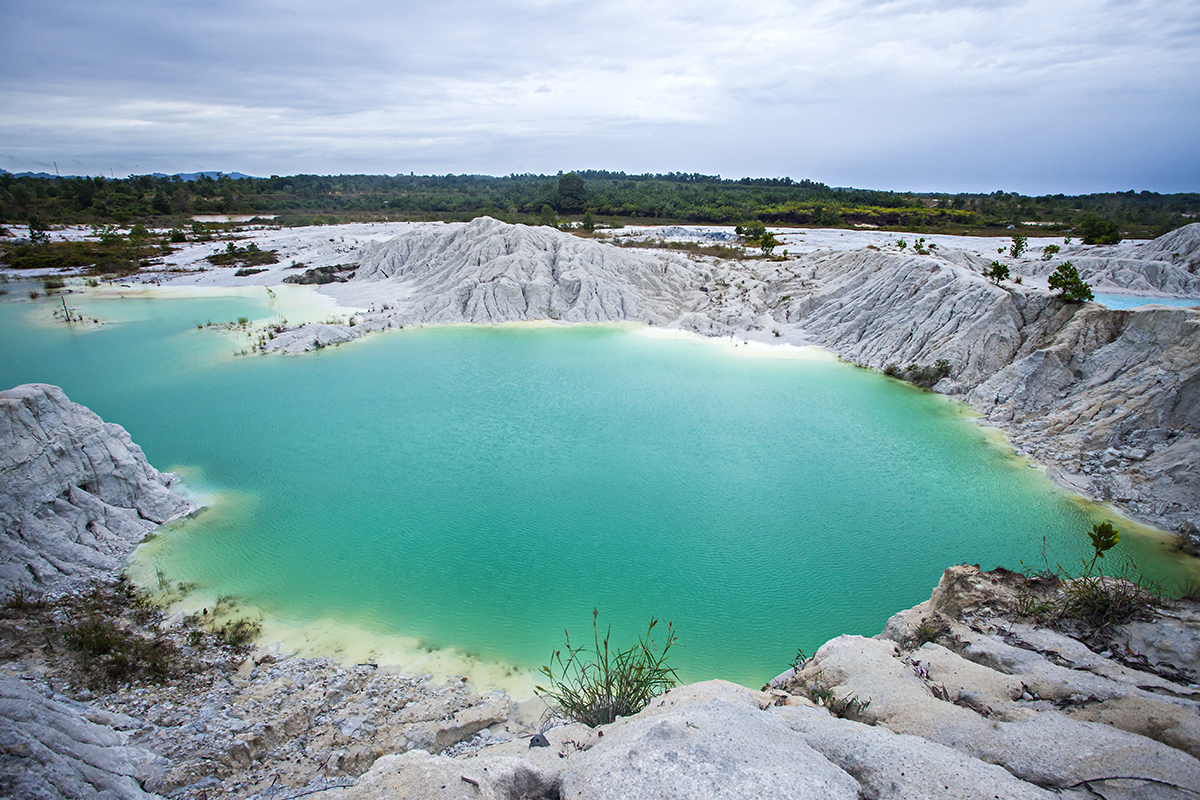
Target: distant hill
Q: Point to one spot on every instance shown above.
(32, 174)
(191, 176)
(184, 176)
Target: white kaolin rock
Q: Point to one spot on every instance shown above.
(76, 494)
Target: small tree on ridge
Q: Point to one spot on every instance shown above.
(1066, 279)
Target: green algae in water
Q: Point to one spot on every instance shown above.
(482, 488)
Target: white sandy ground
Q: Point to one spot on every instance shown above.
(338, 244)
(185, 273)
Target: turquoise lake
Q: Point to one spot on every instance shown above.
(483, 488)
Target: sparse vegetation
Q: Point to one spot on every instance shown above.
(997, 272)
(598, 684)
(931, 629)
(247, 256)
(848, 707)
(693, 248)
(240, 632)
(112, 253)
(110, 654)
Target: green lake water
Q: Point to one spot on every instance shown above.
(481, 488)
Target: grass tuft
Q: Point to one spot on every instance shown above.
(595, 686)
(1092, 602)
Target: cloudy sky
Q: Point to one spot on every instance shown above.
(927, 95)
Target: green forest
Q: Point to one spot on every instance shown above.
(610, 198)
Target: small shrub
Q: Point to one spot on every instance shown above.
(595, 686)
(52, 284)
(997, 272)
(848, 707)
(39, 232)
(1072, 287)
(1190, 590)
(1049, 251)
(1019, 245)
(751, 231)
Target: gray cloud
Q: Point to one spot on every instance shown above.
(1077, 95)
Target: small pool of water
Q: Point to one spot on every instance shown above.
(1121, 302)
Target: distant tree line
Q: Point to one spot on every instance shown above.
(669, 197)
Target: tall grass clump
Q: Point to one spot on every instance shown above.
(598, 684)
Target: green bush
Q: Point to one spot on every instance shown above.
(1099, 231)
(1019, 245)
(1073, 288)
(595, 686)
(997, 272)
(768, 243)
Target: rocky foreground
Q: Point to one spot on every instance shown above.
(982, 691)
(955, 699)
(960, 697)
